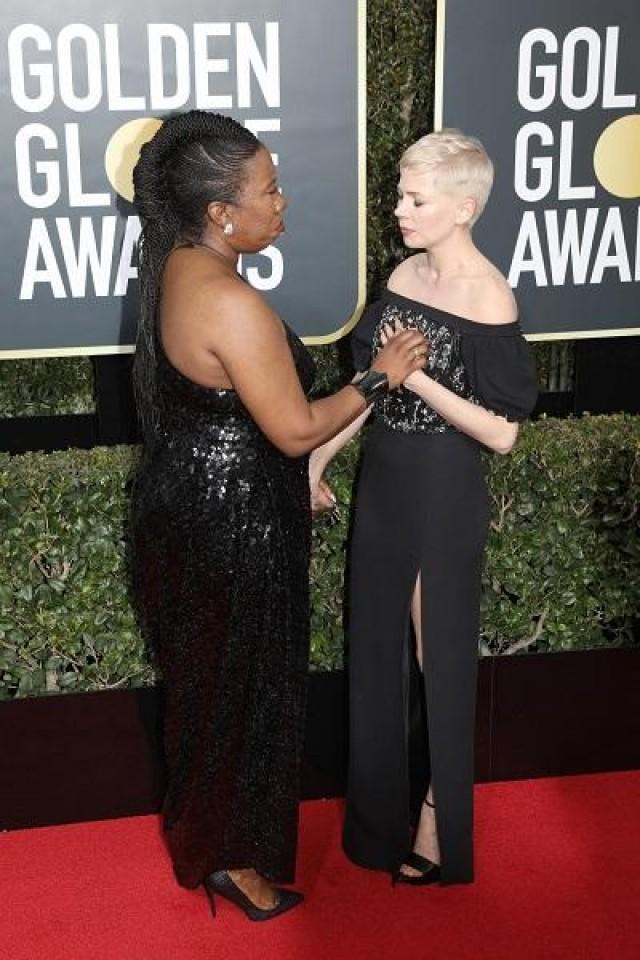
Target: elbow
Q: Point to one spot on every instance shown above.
(294, 450)
(294, 446)
(506, 439)
(503, 448)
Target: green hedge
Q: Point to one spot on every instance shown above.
(45, 386)
(562, 573)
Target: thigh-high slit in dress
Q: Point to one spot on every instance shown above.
(221, 530)
(422, 508)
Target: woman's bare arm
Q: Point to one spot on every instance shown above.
(324, 454)
(488, 428)
(250, 342)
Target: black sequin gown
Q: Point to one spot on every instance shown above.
(422, 507)
(221, 531)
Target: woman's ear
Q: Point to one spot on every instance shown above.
(467, 210)
(218, 214)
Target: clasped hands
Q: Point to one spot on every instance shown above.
(392, 330)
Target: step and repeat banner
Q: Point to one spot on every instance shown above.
(84, 84)
(551, 88)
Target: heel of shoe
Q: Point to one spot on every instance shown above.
(212, 899)
(221, 883)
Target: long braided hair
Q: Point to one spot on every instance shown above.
(194, 159)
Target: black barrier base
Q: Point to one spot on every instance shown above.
(556, 404)
(115, 404)
(24, 434)
(607, 373)
(96, 756)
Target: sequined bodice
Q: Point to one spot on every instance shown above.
(194, 417)
(403, 410)
(208, 444)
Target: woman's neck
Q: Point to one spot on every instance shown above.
(227, 256)
(455, 257)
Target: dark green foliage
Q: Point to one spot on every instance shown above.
(563, 562)
(400, 80)
(563, 565)
(65, 620)
(43, 386)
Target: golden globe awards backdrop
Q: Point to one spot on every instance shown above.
(83, 84)
(551, 88)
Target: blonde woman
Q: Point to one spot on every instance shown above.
(422, 516)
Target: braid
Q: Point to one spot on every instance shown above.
(195, 158)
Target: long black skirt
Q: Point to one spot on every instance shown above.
(422, 508)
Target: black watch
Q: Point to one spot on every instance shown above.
(372, 385)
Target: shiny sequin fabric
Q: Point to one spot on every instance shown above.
(221, 539)
(403, 410)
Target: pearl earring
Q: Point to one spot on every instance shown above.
(227, 229)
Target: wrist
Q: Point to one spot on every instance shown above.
(315, 475)
(417, 376)
(316, 465)
(371, 385)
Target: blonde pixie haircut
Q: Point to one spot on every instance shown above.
(460, 163)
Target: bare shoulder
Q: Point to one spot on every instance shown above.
(215, 328)
(239, 320)
(230, 298)
(404, 274)
(493, 299)
(214, 294)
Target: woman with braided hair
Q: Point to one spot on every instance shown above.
(221, 505)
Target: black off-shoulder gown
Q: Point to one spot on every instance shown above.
(221, 537)
(422, 507)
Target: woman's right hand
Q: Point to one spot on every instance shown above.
(404, 352)
(322, 497)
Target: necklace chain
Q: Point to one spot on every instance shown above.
(221, 256)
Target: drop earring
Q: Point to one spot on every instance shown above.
(227, 229)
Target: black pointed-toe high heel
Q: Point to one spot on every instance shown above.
(429, 872)
(221, 883)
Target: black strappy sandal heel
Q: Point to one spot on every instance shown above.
(429, 872)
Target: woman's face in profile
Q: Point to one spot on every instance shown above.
(257, 219)
(426, 215)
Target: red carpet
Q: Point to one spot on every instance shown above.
(558, 876)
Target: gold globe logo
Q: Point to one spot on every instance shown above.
(123, 151)
(616, 158)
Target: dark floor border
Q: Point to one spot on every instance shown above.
(98, 755)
